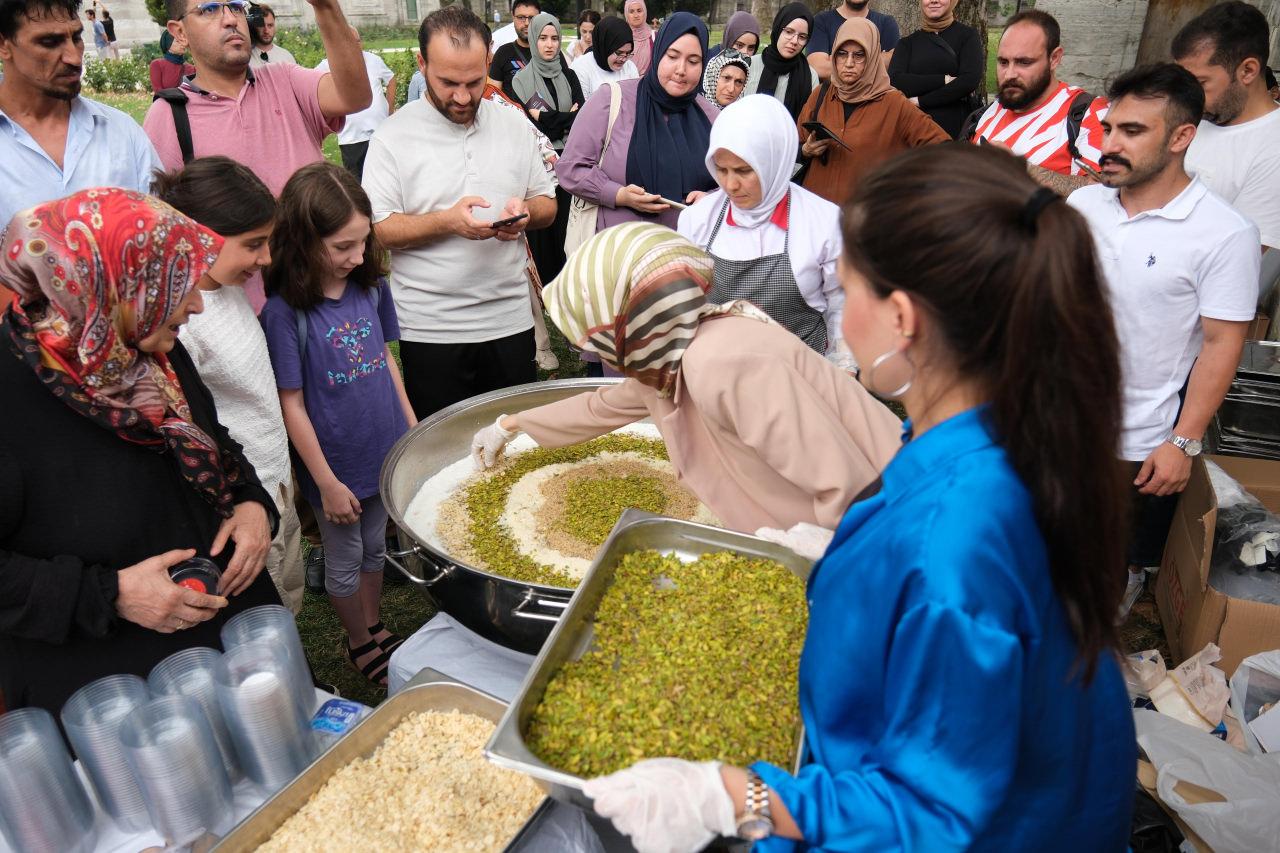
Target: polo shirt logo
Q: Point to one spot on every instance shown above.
(1151, 260)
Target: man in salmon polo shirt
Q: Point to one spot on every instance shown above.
(272, 119)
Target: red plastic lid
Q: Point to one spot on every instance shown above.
(194, 583)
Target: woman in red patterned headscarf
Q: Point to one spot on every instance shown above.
(113, 466)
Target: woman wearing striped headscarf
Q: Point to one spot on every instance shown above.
(766, 432)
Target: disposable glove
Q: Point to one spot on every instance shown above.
(807, 540)
(487, 444)
(665, 805)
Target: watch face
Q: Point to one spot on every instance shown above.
(1194, 447)
(754, 828)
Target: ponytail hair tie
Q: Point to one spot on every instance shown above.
(1040, 199)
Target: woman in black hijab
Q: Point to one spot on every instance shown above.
(609, 59)
(781, 69)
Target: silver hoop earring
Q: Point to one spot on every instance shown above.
(879, 362)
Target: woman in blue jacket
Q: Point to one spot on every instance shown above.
(958, 684)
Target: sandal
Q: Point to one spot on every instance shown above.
(392, 642)
(376, 669)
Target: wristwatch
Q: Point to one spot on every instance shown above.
(1189, 446)
(756, 822)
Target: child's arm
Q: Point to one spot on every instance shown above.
(339, 504)
(404, 397)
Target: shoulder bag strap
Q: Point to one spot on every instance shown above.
(177, 101)
(1075, 118)
(615, 107)
(300, 320)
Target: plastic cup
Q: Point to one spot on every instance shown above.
(191, 673)
(43, 806)
(175, 759)
(274, 625)
(92, 718)
(267, 725)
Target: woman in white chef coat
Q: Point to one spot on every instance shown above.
(775, 243)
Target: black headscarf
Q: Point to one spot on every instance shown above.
(609, 36)
(799, 82)
(668, 148)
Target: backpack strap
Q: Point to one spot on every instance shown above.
(822, 95)
(970, 125)
(177, 101)
(1075, 118)
(300, 319)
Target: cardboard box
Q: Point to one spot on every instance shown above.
(1193, 612)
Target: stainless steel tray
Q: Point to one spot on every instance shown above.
(572, 635)
(439, 694)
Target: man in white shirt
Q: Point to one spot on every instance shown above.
(1182, 270)
(263, 34)
(504, 34)
(353, 139)
(53, 142)
(1237, 148)
(440, 173)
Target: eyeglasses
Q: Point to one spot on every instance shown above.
(524, 19)
(788, 33)
(624, 55)
(213, 9)
(850, 57)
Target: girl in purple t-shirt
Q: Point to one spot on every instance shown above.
(328, 320)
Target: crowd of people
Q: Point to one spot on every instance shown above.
(764, 239)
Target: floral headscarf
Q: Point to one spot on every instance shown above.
(635, 294)
(95, 273)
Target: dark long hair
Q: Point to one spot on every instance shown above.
(1021, 308)
(219, 193)
(317, 201)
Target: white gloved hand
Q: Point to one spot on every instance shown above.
(487, 444)
(665, 805)
(808, 540)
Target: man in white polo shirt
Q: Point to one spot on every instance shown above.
(440, 173)
(1182, 270)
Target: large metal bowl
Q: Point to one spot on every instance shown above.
(515, 613)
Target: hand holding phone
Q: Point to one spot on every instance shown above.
(510, 220)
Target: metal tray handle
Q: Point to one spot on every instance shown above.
(532, 599)
(440, 571)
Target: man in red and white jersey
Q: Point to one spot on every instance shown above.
(1055, 127)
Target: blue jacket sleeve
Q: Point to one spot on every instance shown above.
(946, 755)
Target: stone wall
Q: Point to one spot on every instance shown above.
(1102, 37)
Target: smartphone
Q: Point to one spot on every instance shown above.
(678, 205)
(820, 130)
(503, 223)
(1089, 170)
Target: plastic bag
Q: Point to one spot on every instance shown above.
(1143, 671)
(1256, 683)
(1196, 692)
(1242, 808)
(1246, 543)
(563, 829)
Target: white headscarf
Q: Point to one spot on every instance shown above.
(758, 129)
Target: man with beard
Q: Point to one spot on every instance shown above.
(440, 173)
(511, 57)
(273, 119)
(1036, 116)
(1181, 267)
(52, 141)
(265, 49)
(1237, 148)
(827, 24)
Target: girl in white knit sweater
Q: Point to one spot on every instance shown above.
(226, 341)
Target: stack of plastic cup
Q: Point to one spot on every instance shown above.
(270, 730)
(274, 625)
(190, 673)
(170, 746)
(43, 806)
(92, 718)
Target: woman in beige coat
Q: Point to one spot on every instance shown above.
(766, 432)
